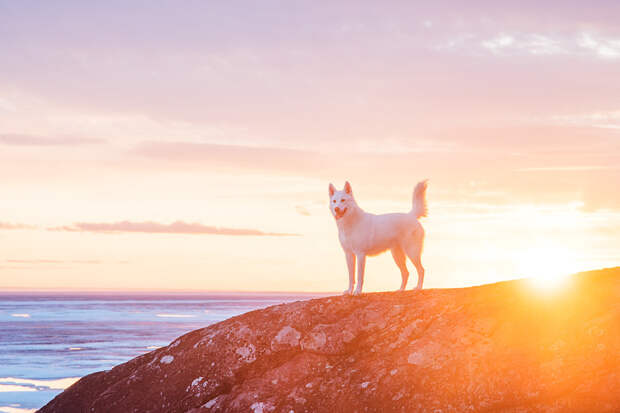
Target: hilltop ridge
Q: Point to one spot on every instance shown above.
(498, 347)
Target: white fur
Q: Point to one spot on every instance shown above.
(363, 234)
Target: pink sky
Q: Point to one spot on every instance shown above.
(189, 146)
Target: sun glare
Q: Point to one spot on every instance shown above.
(547, 267)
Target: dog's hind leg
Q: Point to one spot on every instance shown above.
(413, 249)
(417, 261)
(401, 260)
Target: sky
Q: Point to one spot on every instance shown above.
(154, 145)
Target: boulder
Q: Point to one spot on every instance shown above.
(501, 347)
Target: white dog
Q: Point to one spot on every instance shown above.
(362, 234)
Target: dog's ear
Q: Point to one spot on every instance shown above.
(347, 188)
(332, 189)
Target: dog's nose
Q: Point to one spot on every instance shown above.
(337, 210)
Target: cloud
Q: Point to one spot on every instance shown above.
(8, 225)
(323, 162)
(498, 43)
(455, 42)
(47, 261)
(573, 168)
(35, 261)
(34, 140)
(236, 157)
(178, 227)
(603, 119)
(529, 43)
(519, 43)
(6, 105)
(602, 47)
(301, 210)
(243, 155)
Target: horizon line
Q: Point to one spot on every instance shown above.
(26, 290)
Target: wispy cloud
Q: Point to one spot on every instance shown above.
(6, 105)
(529, 43)
(602, 119)
(301, 210)
(178, 227)
(33, 140)
(576, 168)
(517, 43)
(48, 261)
(455, 42)
(8, 225)
(602, 47)
(244, 155)
(296, 161)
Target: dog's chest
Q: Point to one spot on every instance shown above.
(353, 238)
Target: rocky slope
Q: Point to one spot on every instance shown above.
(501, 347)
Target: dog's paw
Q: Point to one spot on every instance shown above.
(418, 288)
(357, 292)
(347, 292)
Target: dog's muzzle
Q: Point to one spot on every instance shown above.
(340, 212)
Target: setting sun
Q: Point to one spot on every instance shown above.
(548, 267)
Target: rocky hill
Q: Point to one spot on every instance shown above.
(502, 347)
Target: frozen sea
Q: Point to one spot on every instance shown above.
(48, 341)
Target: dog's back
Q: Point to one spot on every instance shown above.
(387, 231)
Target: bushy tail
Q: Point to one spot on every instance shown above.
(419, 200)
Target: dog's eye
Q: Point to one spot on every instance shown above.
(334, 201)
(342, 200)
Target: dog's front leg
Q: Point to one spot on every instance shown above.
(351, 267)
(361, 264)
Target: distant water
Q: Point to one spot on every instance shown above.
(49, 341)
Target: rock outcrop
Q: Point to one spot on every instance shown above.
(502, 347)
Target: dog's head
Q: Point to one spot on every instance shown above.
(340, 202)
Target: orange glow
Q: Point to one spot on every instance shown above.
(548, 267)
